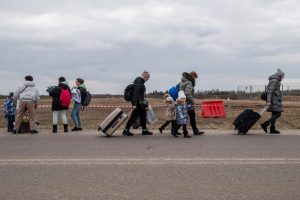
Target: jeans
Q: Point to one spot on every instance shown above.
(63, 117)
(10, 122)
(137, 112)
(274, 117)
(76, 114)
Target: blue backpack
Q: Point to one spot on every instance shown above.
(173, 91)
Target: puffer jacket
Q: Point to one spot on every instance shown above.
(55, 94)
(187, 85)
(27, 92)
(182, 116)
(170, 112)
(138, 91)
(274, 94)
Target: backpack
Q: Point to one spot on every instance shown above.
(128, 92)
(87, 99)
(65, 98)
(173, 91)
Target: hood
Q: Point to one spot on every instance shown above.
(29, 84)
(63, 85)
(187, 77)
(278, 75)
(83, 86)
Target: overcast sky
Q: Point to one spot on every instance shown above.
(109, 43)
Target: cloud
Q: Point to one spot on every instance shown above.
(109, 43)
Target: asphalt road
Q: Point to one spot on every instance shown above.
(86, 165)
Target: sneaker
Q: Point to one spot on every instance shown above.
(75, 129)
(187, 136)
(127, 133)
(34, 132)
(146, 132)
(197, 132)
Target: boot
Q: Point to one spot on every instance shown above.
(273, 130)
(174, 133)
(197, 132)
(161, 130)
(54, 129)
(186, 134)
(264, 126)
(146, 132)
(66, 128)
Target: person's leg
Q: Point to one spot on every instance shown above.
(164, 126)
(31, 114)
(78, 117)
(20, 114)
(64, 120)
(55, 121)
(273, 119)
(74, 116)
(192, 116)
(143, 117)
(132, 119)
(10, 123)
(185, 132)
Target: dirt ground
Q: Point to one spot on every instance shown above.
(91, 117)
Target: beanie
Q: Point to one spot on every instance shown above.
(181, 95)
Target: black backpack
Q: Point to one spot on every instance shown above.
(87, 99)
(128, 92)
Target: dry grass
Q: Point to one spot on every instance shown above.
(92, 116)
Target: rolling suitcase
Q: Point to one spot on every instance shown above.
(245, 120)
(112, 122)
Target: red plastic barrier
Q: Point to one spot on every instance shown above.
(213, 109)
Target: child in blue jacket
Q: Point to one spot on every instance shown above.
(10, 112)
(182, 116)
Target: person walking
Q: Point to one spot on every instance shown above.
(28, 96)
(139, 104)
(61, 99)
(10, 112)
(78, 94)
(182, 116)
(187, 85)
(170, 113)
(274, 101)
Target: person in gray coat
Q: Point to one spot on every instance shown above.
(274, 101)
(187, 85)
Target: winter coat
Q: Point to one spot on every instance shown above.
(182, 116)
(27, 92)
(274, 94)
(9, 106)
(138, 91)
(187, 85)
(170, 112)
(55, 94)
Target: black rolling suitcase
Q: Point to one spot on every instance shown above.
(245, 120)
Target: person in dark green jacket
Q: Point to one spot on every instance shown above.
(274, 101)
(187, 85)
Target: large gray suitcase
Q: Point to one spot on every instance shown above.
(112, 122)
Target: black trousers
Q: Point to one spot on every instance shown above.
(167, 123)
(178, 126)
(192, 116)
(274, 117)
(137, 112)
(10, 121)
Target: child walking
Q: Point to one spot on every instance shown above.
(170, 114)
(182, 116)
(10, 112)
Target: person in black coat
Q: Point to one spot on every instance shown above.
(61, 99)
(139, 104)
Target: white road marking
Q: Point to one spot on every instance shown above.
(152, 161)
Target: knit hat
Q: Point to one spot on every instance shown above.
(280, 73)
(194, 74)
(146, 74)
(169, 99)
(11, 94)
(181, 95)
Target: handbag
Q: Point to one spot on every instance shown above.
(151, 116)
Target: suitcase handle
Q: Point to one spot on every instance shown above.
(264, 110)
